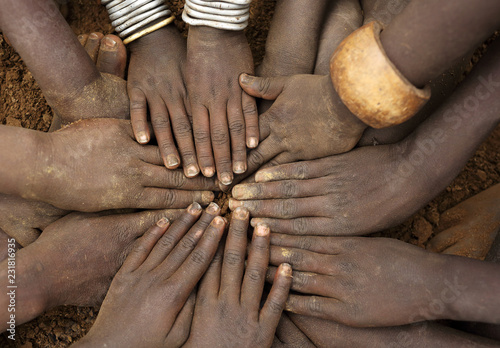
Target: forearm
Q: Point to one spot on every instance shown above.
(23, 292)
(293, 38)
(18, 170)
(428, 36)
(42, 37)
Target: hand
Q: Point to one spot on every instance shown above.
(469, 228)
(24, 220)
(147, 295)
(156, 81)
(347, 280)
(288, 335)
(93, 165)
(307, 121)
(224, 116)
(227, 311)
(347, 194)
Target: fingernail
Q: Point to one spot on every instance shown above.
(163, 222)
(217, 221)
(242, 192)
(226, 178)
(192, 171)
(207, 196)
(262, 230)
(142, 138)
(239, 167)
(213, 208)
(109, 42)
(252, 142)
(286, 270)
(80, 38)
(225, 220)
(255, 221)
(194, 208)
(172, 161)
(233, 204)
(246, 79)
(241, 213)
(208, 172)
(94, 36)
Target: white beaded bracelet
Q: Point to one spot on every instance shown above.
(226, 15)
(129, 16)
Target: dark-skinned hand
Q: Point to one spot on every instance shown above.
(148, 303)
(96, 164)
(156, 82)
(227, 311)
(307, 120)
(224, 117)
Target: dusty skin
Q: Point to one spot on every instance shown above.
(227, 311)
(50, 272)
(469, 228)
(347, 280)
(225, 118)
(133, 177)
(155, 82)
(148, 303)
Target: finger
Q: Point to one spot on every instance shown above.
(283, 208)
(202, 140)
(144, 245)
(190, 272)
(210, 283)
(158, 198)
(189, 241)
(234, 254)
(179, 332)
(275, 303)
(219, 133)
(139, 114)
(323, 245)
(303, 260)
(307, 282)
(314, 306)
(291, 335)
(310, 226)
(83, 39)
(238, 147)
(112, 58)
(160, 177)
(263, 87)
(293, 171)
(175, 233)
(281, 189)
(255, 272)
(251, 116)
(266, 151)
(160, 120)
(92, 45)
(183, 133)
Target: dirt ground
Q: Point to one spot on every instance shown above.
(23, 105)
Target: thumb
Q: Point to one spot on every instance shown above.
(268, 88)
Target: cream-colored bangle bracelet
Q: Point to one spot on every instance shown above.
(149, 30)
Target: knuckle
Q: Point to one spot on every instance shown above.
(249, 109)
(286, 208)
(202, 136)
(275, 307)
(255, 275)
(288, 189)
(237, 127)
(182, 129)
(299, 227)
(314, 305)
(188, 243)
(295, 258)
(169, 198)
(264, 85)
(177, 179)
(137, 104)
(167, 241)
(159, 121)
(255, 158)
(305, 243)
(219, 136)
(199, 257)
(301, 170)
(232, 258)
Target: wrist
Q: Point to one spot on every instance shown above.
(160, 37)
(208, 35)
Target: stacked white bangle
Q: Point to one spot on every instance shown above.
(128, 16)
(224, 14)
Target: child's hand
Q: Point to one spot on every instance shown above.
(227, 311)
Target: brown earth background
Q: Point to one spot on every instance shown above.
(22, 105)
